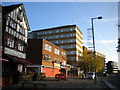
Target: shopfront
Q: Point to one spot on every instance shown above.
(10, 67)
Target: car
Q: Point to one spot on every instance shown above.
(60, 76)
(91, 75)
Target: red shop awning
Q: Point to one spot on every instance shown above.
(3, 60)
(20, 61)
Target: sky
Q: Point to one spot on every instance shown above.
(42, 15)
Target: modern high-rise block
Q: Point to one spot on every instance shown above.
(67, 37)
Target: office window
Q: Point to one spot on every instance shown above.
(20, 47)
(63, 54)
(57, 60)
(47, 57)
(57, 51)
(48, 47)
(10, 43)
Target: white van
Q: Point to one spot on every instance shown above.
(91, 75)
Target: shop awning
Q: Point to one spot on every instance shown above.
(3, 60)
(20, 61)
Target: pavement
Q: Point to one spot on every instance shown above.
(71, 83)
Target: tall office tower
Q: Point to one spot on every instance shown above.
(67, 37)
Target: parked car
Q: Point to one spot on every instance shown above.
(60, 76)
(91, 75)
(41, 76)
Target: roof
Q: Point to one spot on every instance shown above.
(59, 27)
(55, 28)
(7, 9)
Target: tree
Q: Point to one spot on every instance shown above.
(87, 62)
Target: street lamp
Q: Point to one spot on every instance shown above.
(94, 45)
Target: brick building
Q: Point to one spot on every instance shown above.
(47, 57)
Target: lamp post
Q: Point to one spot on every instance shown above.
(94, 46)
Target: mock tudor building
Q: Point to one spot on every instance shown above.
(67, 37)
(15, 29)
(47, 57)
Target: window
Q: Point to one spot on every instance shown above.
(63, 62)
(10, 43)
(6, 29)
(20, 47)
(47, 57)
(7, 21)
(14, 33)
(57, 60)
(11, 23)
(48, 47)
(20, 15)
(56, 51)
(11, 14)
(17, 35)
(25, 39)
(21, 30)
(18, 27)
(14, 26)
(9, 30)
(26, 33)
(63, 54)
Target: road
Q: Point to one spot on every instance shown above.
(114, 80)
(69, 83)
